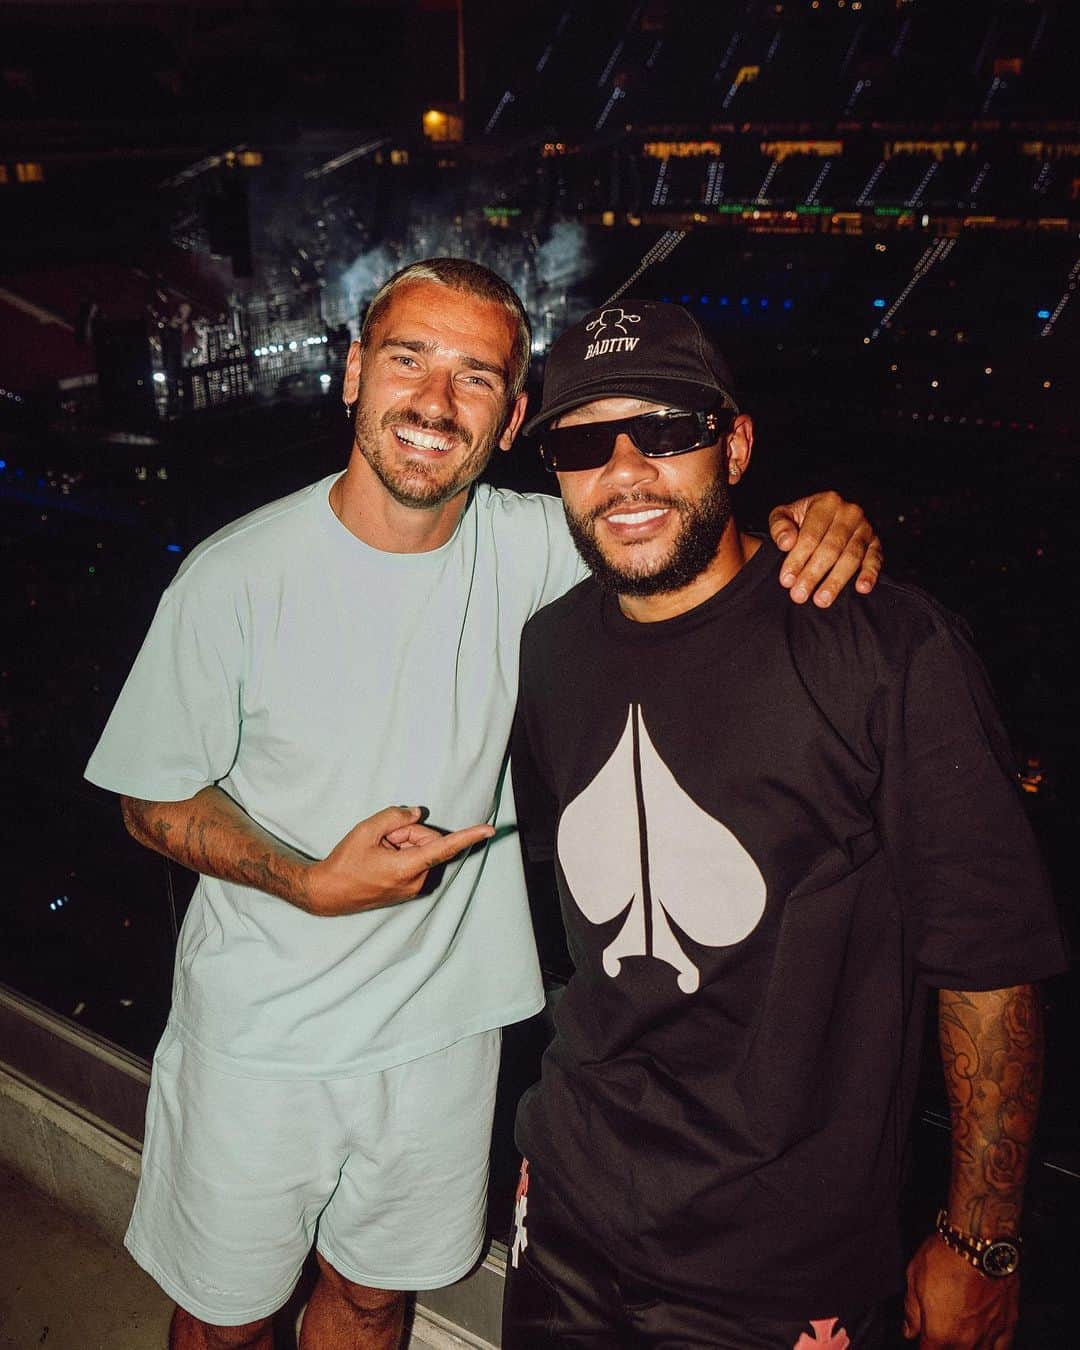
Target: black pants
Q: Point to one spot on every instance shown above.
(561, 1290)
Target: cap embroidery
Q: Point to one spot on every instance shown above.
(616, 319)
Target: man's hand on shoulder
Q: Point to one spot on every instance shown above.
(383, 859)
(828, 541)
(950, 1305)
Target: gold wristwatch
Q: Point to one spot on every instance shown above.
(996, 1257)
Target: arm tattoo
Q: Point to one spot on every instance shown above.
(211, 834)
(991, 1050)
(265, 872)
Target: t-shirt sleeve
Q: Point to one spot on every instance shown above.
(977, 905)
(537, 809)
(175, 728)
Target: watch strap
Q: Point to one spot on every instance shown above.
(993, 1256)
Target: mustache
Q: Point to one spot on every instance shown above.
(638, 501)
(440, 426)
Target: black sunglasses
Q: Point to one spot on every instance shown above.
(656, 434)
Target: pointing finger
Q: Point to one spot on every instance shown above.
(410, 836)
(446, 847)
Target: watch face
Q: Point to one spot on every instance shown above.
(1001, 1258)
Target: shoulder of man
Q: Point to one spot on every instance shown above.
(527, 514)
(247, 541)
(529, 534)
(869, 662)
(879, 632)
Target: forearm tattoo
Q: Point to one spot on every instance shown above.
(219, 840)
(992, 1053)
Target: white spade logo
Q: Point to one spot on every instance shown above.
(633, 841)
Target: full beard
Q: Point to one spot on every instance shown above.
(420, 483)
(702, 526)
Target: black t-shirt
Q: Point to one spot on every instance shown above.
(770, 825)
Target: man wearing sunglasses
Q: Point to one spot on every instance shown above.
(772, 829)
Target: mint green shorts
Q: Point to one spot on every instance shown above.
(385, 1173)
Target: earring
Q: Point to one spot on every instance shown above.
(348, 412)
(733, 473)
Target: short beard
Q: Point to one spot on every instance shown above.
(420, 485)
(703, 524)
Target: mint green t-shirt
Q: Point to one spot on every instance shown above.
(317, 680)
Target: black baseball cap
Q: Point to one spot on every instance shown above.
(647, 349)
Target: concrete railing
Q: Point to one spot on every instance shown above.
(71, 1110)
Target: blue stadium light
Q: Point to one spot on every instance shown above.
(723, 300)
(703, 300)
(173, 548)
(879, 303)
(3, 463)
(1042, 313)
(788, 304)
(685, 300)
(764, 302)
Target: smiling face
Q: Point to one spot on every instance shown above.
(654, 527)
(431, 386)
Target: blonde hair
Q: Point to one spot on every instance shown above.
(469, 278)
